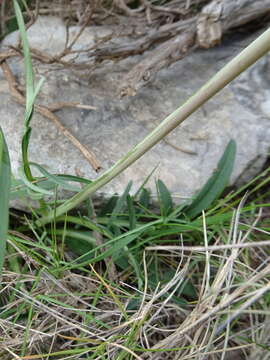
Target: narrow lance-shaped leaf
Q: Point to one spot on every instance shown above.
(216, 184)
(165, 199)
(5, 180)
(31, 89)
(131, 212)
(120, 204)
(27, 60)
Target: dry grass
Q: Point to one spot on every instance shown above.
(207, 298)
(80, 314)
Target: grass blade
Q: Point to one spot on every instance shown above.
(131, 213)
(27, 56)
(4, 195)
(32, 186)
(165, 199)
(216, 184)
(120, 205)
(55, 179)
(144, 199)
(31, 90)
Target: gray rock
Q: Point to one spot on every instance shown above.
(241, 111)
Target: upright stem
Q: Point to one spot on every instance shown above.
(236, 66)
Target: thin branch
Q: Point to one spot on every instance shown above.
(48, 113)
(209, 248)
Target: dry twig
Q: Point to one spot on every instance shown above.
(48, 113)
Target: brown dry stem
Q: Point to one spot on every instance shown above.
(48, 113)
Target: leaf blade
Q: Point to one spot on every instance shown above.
(216, 183)
(165, 199)
(5, 180)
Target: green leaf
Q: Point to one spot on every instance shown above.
(74, 178)
(115, 245)
(120, 205)
(31, 90)
(165, 199)
(25, 143)
(142, 187)
(80, 242)
(32, 186)
(27, 56)
(108, 206)
(131, 213)
(5, 176)
(216, 184)
(188, 289)
(133, 303)
(121, 202)
(58, 181)
(144, 199)
(115, 249)
(20, 190)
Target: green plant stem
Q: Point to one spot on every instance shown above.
(5, 175)
(236, 66)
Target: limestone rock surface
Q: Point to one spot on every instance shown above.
(241, 111)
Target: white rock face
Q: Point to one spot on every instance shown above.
(241, 111)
